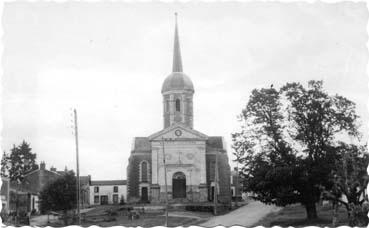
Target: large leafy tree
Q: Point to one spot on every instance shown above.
(60, 195)
(288, 140)
(318, 119)
(269, 163)
(20, 161)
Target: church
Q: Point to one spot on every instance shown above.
(178, 163)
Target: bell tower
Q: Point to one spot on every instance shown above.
(177, 90)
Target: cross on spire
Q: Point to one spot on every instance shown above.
(177, 59)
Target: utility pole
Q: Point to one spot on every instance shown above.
(166, 186)
(77, 159)
(216, 185)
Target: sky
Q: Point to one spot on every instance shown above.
(109, 59)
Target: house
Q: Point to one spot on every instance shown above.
(26, 194)
(5, 187)
(107, 192)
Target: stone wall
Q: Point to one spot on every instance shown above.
(133, 174)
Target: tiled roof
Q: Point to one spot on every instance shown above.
(109, 182)
(42, 170)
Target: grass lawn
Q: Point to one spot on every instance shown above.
(295, 215)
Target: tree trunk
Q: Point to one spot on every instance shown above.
(311, 210)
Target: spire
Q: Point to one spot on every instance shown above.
(177, 59)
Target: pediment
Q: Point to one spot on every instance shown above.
(178, 132)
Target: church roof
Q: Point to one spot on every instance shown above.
(215, 142)
(108, 182)
(177, 58)
(141, 144)
(177, 80)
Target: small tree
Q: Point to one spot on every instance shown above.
(60, 195)
(20, 161)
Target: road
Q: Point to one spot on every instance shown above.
(245, 216)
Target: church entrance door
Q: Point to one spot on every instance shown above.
(144, 194)
(179, 185)
(212, 193)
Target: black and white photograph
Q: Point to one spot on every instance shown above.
(184, 113)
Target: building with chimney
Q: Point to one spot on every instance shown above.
(190, 159)
(34, 182)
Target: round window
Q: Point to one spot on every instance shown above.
(178, 132)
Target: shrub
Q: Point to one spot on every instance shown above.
(201, 208)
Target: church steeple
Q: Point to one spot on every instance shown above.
(177, 90)
(177, 59)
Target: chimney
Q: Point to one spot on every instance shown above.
(42, 165)
(53, 169)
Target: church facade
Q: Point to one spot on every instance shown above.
(192, 161)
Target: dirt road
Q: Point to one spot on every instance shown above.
(245, 216)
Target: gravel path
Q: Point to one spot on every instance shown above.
(245, 216)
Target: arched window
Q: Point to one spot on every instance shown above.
(178, 105)
(144, 171)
